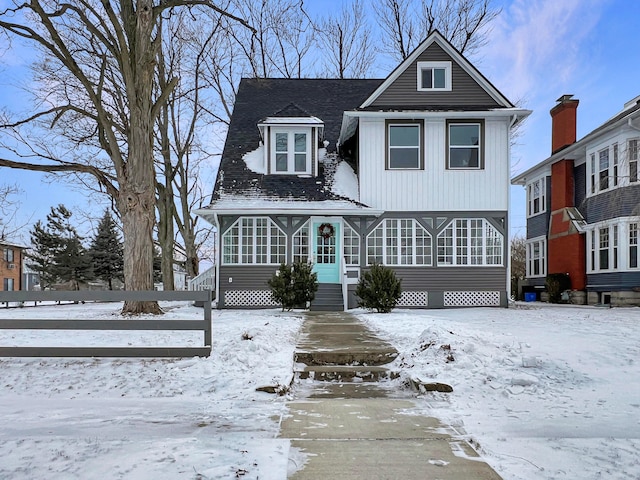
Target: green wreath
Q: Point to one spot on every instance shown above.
(326, 231)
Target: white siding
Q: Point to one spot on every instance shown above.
(435, 188)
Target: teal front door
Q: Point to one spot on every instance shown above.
(326, 249)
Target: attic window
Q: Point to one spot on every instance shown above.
(291, 150)
(434, 76)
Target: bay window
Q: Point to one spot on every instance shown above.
(536, 257)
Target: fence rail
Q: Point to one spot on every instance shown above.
(201, 296)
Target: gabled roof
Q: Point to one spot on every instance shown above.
(5, 243)
(258, 99)
(577, 149)
(436, 41)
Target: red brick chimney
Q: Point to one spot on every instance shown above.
(563, 123)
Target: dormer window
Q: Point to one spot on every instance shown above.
(291, 144)
(434, 76)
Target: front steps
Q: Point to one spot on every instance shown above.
(336, 347)
(328, 298)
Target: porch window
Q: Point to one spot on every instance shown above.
(470, 241)
(399, 241)
(301, 244)
(254, 240)
(351, 246)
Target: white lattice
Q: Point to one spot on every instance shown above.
(471, 299)
(414, 299)
(249, 298)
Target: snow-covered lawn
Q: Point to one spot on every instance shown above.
(545, 392)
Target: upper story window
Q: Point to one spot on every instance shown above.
(7, 255)
(434, 76)
(404, 145)
(291, 151)
(632, 153)
(464, 142)
(536, 197)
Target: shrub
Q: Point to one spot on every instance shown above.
(378, 289)
(557, 283)
(294, 285)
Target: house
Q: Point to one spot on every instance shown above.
(411, 171)
(583, 207)
(11, 266)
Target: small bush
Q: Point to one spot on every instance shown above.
(556, 283)
(378, 289)
(294, 285)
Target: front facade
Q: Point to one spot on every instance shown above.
(583, 208)
(411, 171)
(11, 266)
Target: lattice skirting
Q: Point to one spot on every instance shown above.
(471, 299)
(249, 298)
(414, 299)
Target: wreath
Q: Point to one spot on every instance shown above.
(326, 231)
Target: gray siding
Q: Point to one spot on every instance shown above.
(620, 202)
(465, 90)
(618, 281)
(244, 277)
(580, 185)
(452, 278)
(538, 226)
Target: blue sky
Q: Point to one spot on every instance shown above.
(537, 51)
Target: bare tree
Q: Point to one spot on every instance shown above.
(97, 74)
(404, 23)
(346, 42)
(8, 211)
(518, 262)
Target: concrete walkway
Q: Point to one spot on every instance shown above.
(349, 426)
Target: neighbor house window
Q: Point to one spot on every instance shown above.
(7, 255)
(470, 241)
(291, 151)
(633, 245)
(254, 241)
(603, 247)
(434, 76)
(536, 257)
(399, 241)
(404, 145)
(615, 165)
(8, 284)
(464, 141)
(632, 153)
(536, 197)
(592, 176)
(603, 155)
(351, 246)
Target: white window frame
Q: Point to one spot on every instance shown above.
(633, 159)
(291, 152)
(541, 244)
(479, 147)
(541, 182)
(608, 240)
(633, 246)
(245, 251)
(446, 66)
(417, 147)
(302, 249)
(350, 245)
(389, 245)
(458, 246)
(604, 178)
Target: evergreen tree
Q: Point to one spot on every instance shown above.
(40, 258)
(106, 251)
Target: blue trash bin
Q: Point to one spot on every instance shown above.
(530, 297)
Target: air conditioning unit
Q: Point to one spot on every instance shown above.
(11, 266)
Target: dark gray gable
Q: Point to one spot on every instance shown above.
(465, 93)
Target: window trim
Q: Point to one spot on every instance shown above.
(387, 129)
(633, 156)
(480, 146)
(530, 243)
(445, 65)
(291, 131)
(542, 196)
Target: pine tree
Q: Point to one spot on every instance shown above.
(106, 251)
(40, 258)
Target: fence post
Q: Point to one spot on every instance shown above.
(207, 319)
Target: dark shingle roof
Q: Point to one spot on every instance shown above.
(258, 99)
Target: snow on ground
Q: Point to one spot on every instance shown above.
(544, 392)
(198, 418)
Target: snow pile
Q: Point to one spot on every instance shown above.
(255, 160)
(345, 182)
(544, 392)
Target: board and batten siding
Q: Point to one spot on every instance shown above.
(435, 187)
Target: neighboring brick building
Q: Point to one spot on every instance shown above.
(11, 266)
(583, 208)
